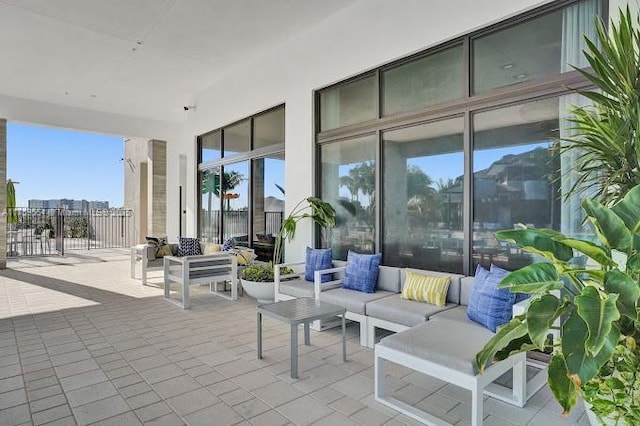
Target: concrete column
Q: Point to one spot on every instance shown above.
(157, 185)
(258, 198)
(3, 193)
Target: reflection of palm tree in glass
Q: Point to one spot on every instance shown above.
(361, 179)
(422, 199)
(211, 184)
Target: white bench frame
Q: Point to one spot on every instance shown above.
(212, 274)
(139, 255)
(479, 384)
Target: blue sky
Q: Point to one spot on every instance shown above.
(53, 163)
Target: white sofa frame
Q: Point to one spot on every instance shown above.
(318, 286)
(478, 384)
(211, 269)
(140, 255)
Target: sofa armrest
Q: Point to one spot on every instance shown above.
(319, 286)
(520, 307)
(278, 276)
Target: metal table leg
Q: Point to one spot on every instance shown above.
(307, 338)
(259, 335)
(344, 338)
(294, 351)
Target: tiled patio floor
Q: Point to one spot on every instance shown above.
(82, 343)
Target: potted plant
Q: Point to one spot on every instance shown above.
(598, 355)
(605, 136)
(597, 309)
(258, 279)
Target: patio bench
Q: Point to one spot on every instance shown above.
(445, 349)
(200, 269)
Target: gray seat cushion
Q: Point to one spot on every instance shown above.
(458, 314)
(403, 311)
(448, 343)
(351, 300)
(297, 288)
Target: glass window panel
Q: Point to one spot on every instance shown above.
(349, 103)
(515, 177)
(210, 146)
(237, 138)
(423, 82)
(268, 203)
(210, 205)
(268, 129)
(423, 182)
(235, 199)
(540, 47)
(348, 183)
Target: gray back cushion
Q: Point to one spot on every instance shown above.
(453, 294)
(338, 264)
(389, 279)
(466, 285)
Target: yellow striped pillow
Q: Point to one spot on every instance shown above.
(426, 288)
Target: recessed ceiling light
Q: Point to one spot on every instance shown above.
(93, 95)
(66, 93)
(507, 66)
(521, 76)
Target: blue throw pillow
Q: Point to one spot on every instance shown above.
(228, 245)
(362, 272)
(189, 247)
(316, 260)
(489, 305)
(503, 273)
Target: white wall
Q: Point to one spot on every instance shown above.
(361, 37)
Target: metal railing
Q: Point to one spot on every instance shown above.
(236, 224)
(45, 231)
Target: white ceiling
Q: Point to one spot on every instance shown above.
(143, 58)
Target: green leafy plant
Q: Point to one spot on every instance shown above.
(614, 393)
(595, 309)
(606, 135)
(262, 272)
(321, 212)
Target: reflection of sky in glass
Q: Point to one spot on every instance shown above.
(273, 174)
(210, 155)
(450, 166)
(440, 167)
(483, 159)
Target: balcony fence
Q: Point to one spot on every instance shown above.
(34, 232)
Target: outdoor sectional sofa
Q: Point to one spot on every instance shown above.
(438, 341)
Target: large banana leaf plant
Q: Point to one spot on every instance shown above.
(594, 307)
(321, 212)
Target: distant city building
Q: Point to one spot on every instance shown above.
(94, 205)
(68, 204)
